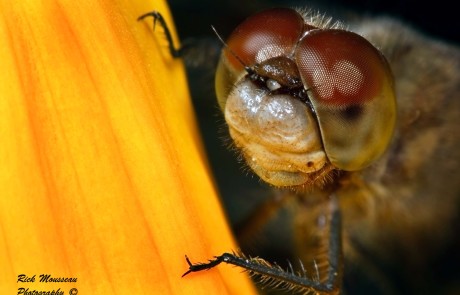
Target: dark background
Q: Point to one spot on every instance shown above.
(193, 18)
(239, 188)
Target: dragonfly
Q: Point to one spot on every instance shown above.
(357, 125)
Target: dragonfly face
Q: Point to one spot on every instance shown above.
(302, 100)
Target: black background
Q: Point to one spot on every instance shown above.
(193, 18)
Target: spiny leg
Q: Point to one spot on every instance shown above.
(158, 17)
(275, 276)
(200, 52)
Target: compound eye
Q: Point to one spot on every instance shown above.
(351, 88)
(267, 34)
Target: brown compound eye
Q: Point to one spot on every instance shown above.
(351, 88)
(267, 34)
(347, 80)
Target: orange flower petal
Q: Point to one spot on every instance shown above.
(103, 175)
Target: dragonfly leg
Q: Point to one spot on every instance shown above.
(274, 275)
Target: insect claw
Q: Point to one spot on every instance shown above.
(158, 17)
(188, 260)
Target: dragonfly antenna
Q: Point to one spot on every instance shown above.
(247, 68)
